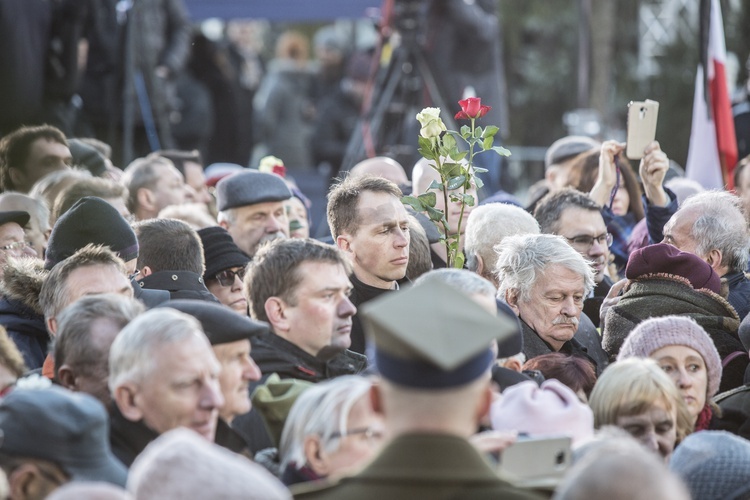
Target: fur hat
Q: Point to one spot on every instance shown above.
(552, 409)
(655, 333)
(667, 259)
(714, 465)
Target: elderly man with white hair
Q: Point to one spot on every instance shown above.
(163, 374)
(544, 280)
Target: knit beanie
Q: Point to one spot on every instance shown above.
(550, 410)
(655, 333)
(90, 220)
(220, 251)
(663, 258)
(714, 465)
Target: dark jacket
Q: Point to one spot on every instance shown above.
(420, 466)
(735, 411)
(20, 311)
(592, 304)
(739, 292)
(127, 438)
(179, 284)
(361, 293)
(534, 346)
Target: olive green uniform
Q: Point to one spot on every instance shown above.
(421, 466)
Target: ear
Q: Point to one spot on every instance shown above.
(16, 175)
(511, 298)
(276, 312)
(480, 265)
(513, 364)
(713, 258)
(146, 271)
(22, 480)
(66, 377)
(52, 326)
(223, 223)
(145, 199)
(316, 457)
(376, 398)
(483, 406)
(125, 398)
(344, 243)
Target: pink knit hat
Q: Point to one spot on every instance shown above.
(655, 333)
(550, 410)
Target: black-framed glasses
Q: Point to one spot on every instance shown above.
(226, 277)
(134, 274)
(368, 432)
(587, 242)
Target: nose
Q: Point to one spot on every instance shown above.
(649, 441)
(252, 371)
(402, 238)
(598, 248)
(276, 224)
(29, 250)
(237, 283)
(684, 381)
(211, 398)
(346, 308)
(569, 307)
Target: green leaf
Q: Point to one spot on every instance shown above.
(450, 169)
(424, 143)
(413, 202)
(449, 143)
(426, 153)
(295, 225)
(487, 142)
(478, 182)
(477, 132)
(490, 131)
(501, 151)
(436, 186)
(465, 131)
(479, 170)
(428, 199)
(434, 214)
(456, 182)
(458, 262)
(458, 155)
(468, 199)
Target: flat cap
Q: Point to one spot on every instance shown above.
(221, 324)
(432, 336)
(248, 188)
(67, 428)
(18, 216)
(87, 156)
(567, 148)
(90, 220)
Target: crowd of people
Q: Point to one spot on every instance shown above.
(173, 331)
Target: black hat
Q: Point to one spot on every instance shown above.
(221, 324)
(19, 217)
(70, 429)
(220, 251)
(432, 336)
(250, 187)
(87, 156)
(90, 220)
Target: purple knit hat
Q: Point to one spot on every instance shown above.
(663, 258)
(655, 333)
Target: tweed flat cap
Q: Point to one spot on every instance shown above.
(248, 188)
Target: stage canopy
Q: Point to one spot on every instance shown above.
(280, 10)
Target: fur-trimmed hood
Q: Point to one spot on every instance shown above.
(22, 281)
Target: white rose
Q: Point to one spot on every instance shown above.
(432, 125)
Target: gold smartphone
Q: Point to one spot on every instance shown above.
(642, 116)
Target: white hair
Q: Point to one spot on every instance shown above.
(465, 281)
(488, 225)
(523, 258)
(132, 355)
(322, 410)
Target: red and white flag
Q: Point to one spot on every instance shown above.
(712, 153)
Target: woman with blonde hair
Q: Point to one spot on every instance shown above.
(637, 396)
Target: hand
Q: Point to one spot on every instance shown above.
(611, 300)
(607, 176)
(493, 441)
(653, 169)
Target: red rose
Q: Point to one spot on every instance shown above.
(471, 108)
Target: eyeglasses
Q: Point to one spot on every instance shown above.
(16, 245)
(134, 274)
(368, 432)
(226, 277)
(588, 241)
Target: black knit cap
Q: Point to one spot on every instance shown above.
(90, 220)
(220, 323)
(220, 251)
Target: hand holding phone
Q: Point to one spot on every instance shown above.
(642, 116)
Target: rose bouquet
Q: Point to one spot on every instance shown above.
(455, 165)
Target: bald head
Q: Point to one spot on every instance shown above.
(381, 166)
